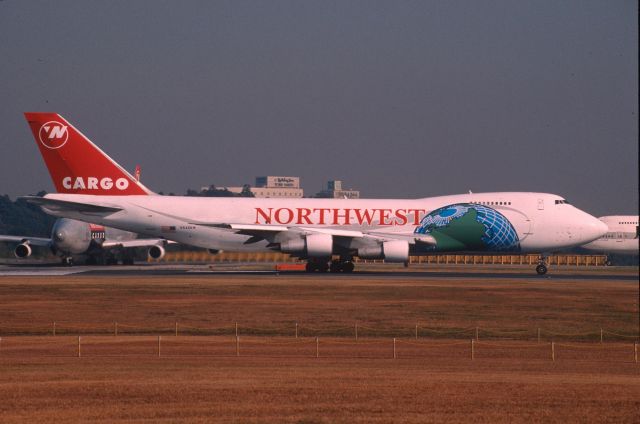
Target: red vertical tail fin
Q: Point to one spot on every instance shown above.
(76, 165)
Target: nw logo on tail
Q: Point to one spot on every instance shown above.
(53, 135)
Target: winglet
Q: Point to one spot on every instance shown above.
(76, 165)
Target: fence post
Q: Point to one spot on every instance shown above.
(416, 331)
(394, 348)
(356, 331)
(79, 347)
(159, 338)
(601, 335)
(317, 348)
(236, 330)
(473, 353)
(296, 330)
(553, 351)
(54, 328)
(237, 346)
(176, 328)
(538, 334)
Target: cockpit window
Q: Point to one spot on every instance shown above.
(561, 202)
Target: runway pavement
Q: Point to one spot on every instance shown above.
(362, 272)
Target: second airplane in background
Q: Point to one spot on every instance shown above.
(74, 240)
(621, 237)
(93, 188)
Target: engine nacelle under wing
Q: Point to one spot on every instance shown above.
(319, 245)
(23, 250)
(156, 252)
(390, 251)
(311, 245)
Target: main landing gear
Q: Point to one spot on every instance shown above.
(341, 266)
(323, 265)
(316, 265)
(541, 269)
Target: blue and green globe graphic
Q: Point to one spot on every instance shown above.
(469, 227)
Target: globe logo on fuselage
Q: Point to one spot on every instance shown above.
(467, 226)
(53, 134)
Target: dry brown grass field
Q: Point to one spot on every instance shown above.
(276, 378)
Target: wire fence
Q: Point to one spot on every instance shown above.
(298, 330)
(310, 347)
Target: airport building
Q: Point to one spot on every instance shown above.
(335, 191)
(274, 186)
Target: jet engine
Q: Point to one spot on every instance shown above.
(22, 250)
(156, 252)
(390, 251)
(310, 245)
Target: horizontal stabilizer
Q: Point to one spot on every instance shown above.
(56, 205)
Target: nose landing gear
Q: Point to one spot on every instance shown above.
(541, 269)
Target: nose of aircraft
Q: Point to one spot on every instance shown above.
(594, 229)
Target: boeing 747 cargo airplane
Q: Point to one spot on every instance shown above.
(91, 187)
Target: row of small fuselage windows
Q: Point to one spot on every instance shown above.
(492, 203)
(630, 222)
(620, 235)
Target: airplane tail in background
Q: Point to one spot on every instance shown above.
(76, 165)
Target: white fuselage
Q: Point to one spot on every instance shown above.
(621, 238)
(543, 222)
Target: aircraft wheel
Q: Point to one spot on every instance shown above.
(347, 267)
(317, 266)
(67, 261)
(607, 262)
(323, 266)
(541, 269)
(336, 266)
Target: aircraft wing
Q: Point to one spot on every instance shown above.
(264, 231)
(136, 243)
(35, 241)
(56, 205)
(411, 238)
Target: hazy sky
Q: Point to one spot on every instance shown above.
(396, 98)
